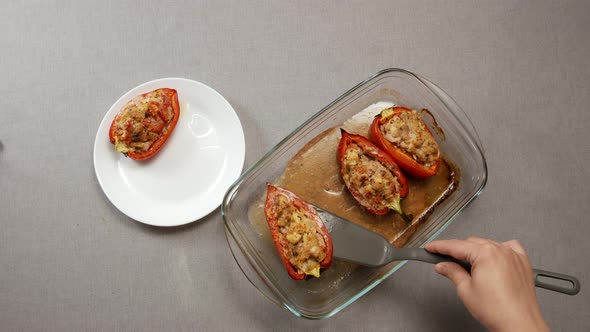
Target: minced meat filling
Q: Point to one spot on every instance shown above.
(406, 131)
(372, 179)
(304, 243)
(142, 121)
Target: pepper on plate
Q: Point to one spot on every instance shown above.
(145, 123)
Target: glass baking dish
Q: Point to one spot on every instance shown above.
(342, 284)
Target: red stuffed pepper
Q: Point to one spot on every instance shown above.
(144, 124)
(402, 133)
(371, 175)
(302, 240)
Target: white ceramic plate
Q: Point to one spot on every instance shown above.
(187, 178)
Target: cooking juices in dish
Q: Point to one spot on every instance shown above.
(314, 175)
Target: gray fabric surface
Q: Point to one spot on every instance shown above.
(69, 260)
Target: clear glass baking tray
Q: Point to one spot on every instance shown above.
(343, 283)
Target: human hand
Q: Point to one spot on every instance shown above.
(500, 291)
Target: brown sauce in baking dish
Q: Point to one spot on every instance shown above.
(314, 175)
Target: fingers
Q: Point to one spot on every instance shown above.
(453, 272)
(516, 246)
(477, 240)
(463, 250)
(472, 248)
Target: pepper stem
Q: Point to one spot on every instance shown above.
(406, 217)
(396, 206)
(386, 113)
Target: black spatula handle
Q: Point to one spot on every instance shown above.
(557, 282)
(419, 254)
(571, 287)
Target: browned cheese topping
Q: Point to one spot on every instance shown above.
(142, 121)
(304, 242)
(370, 177)
(406, 131)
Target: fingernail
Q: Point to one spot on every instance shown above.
(440, 268)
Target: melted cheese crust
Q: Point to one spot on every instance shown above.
(304, 243)
(406, 131)
(372, 180)
(142, 121)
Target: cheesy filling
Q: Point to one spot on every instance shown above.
(372, 179)
(304, 242)
(406, 131)
(142, 122)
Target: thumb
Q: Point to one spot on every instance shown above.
(453, 272)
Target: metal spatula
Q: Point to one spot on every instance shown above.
(356, 244)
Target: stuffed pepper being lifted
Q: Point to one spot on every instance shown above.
(402, 133)
(300, 236)
(371, 175)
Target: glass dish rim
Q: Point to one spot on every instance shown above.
(465, 122)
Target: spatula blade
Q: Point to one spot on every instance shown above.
(354, 243)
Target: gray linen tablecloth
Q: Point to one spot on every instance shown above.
(69, 260)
